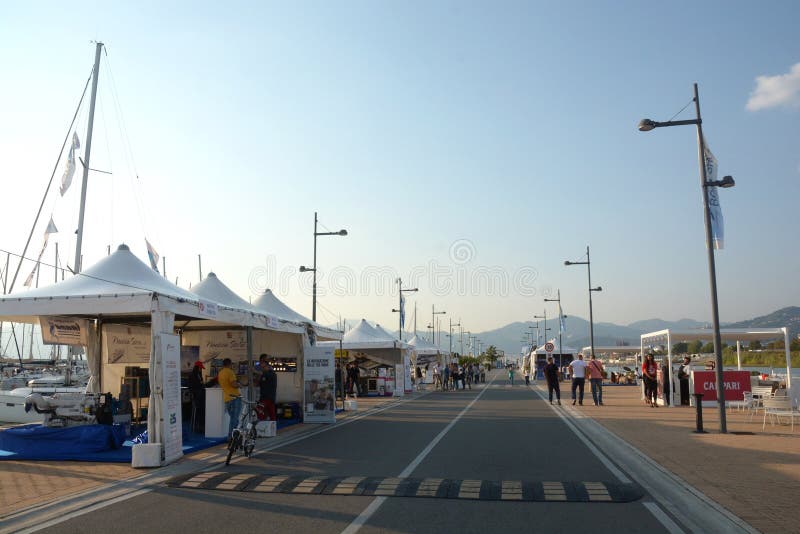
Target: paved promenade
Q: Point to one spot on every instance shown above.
(755, 476)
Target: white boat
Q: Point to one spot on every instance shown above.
(12, 403)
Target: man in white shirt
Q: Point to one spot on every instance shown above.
(578, 368)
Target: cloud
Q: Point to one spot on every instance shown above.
(776, 91)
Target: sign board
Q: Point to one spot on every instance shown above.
(399, 381)
(318, 385)
(126, 344)
(549, 347)
(342, 353)
(735, 383)
(63, 330)
(407, 387)
(169, 347)
(207, 309)
(218, 344)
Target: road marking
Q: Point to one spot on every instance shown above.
(364, 516)
(428, 487)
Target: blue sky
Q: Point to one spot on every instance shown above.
(505, 131)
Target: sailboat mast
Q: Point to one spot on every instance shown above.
(87, 154)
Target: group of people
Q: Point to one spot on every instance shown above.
(650, 379)
(580, 370)
(448, 377)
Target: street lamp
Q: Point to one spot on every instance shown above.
(401, 308)
(434, 313)
(588, 264)
(304, 269)
(560, 330)
(645, 126)
(451, 336)
(545, 325)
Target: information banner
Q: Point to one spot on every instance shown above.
(318, 385)
(63, 330)
(126, 344)
(169, 346)
(407, 386)
(735, 383)
(399, 376)
(218, 345)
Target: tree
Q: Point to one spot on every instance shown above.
(680, 348)
(490, 355)
(708, 348)
(694, 347)
(755, 345)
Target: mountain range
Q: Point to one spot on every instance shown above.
(510, 337)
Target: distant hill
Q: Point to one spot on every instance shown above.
(510, 337)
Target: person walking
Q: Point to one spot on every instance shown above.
(445, 378)
(527, 377)
(198, 391)
(578, 372)
(511, 375)
(551, 373)
(596, 371)
(650, 378)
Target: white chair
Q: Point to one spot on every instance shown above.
(777, 407)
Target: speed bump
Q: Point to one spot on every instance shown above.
(437, 488)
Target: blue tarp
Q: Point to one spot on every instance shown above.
(36, 442)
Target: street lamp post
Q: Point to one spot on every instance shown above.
(304, 269)
(401, 309)
(451, 336)
(645, 125)
(560, 330)
(588, 264)
(434, 313)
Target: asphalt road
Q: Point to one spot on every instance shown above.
(496, 433)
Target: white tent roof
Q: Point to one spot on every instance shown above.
(120, 285)
(423, 346)
(556, 350)
(364, 337)
(272, 305)
(211, 288)
(388, 335)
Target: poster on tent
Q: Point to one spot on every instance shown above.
(399, 376)
(223, 344)
(318, 385)
(169, 346)
(126, 344)
(407, 374)
(63, 330)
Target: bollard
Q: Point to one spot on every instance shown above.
(698, 404)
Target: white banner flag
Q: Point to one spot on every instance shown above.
(69, 172)
(152, 255)
(51, 229)
(714, 208)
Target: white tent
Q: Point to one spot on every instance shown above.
(272, 305)
(669, 336)
(120, 288)
(374, 345)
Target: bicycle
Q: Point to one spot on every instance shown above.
(244, 435)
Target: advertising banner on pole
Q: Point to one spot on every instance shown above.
(399, 377)
(169, 345)
(318, 385)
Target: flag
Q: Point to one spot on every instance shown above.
(153, 255)
(51, 229)
(562, 325)
(402, 311)
(69, 172)
(714, 208)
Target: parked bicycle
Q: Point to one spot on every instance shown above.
(244, 435)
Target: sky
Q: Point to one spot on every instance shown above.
(467, 147)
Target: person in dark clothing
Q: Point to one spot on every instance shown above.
(198, 390)
(551, 374)
(665, 384)
(684, 372)
(268, 387)
(339, 381)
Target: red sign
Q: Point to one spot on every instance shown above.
(736, 383)
(549, 347)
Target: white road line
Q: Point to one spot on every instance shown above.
(364, 516)
(592, 447)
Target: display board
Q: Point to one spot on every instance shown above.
(407, 387)
(126, 344)
(169, 347)
(735, 384)
(399, 377)
(318, 385)
(63, 330)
